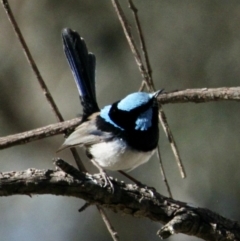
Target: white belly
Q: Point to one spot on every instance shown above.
(115, 155)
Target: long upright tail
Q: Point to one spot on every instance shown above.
(83, 66)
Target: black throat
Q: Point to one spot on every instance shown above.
(146, 140)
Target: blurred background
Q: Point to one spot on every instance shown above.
(191, 44)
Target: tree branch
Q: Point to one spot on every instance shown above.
(140, 202)
(39, 133)
(182, 96)
(200, 95)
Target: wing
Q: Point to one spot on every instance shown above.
(86, 135)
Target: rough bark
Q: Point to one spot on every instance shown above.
(138, 201)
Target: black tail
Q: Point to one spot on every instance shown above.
(83, 66)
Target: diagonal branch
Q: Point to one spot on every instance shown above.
(31, 61)
(148, 80)
(177, 217)
(49, 98)
(183, 96)
(142, 40)
(149, 73)
(127, 31)
(39, 78)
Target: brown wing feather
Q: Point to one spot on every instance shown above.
(86, 134)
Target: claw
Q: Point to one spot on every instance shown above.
(106, 178)
(107, 181)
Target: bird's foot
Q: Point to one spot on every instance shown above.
(106, 178)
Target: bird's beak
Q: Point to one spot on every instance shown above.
(157, 93)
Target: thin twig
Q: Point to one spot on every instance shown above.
(162, 116)
(39, 133)
(67, 168)
(146, 77)
(163, 120)
(41, 82)
(201, 95)
(130, 178)
(109, 226)
(142, 86)
(31, 60)
(163, 173)
(168, 132)
(149, 72)
(84, 207)
(43, 85)
(184, 96)
(77, 159)
(142, 40)
(131, 42)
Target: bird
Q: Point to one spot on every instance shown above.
(120, 136)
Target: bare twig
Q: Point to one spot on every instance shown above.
(162, 116)
(39, 133)
(146, 77)
(77, 159)
(142, 40)
(163, 173)
(109, 226)
(166, 128)
(43, 86)
(183, 96)
(142, 86)
(84, 207)
(149, 72)
(31, 60)
(200, 95)
(130, 178)
(131, 42)
(34, 67)
(69, 169)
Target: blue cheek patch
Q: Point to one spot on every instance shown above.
(144, 121)
(105, 115)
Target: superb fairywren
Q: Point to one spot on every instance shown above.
(121, 136)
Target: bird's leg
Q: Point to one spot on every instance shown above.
(106, 178)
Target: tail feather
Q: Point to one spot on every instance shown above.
(92, 71)
(83, 65)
